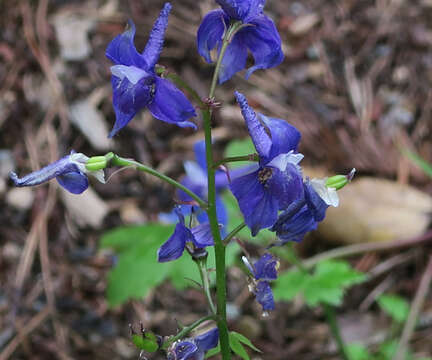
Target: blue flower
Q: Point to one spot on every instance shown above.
(135, 83)
(259, 35)
(70, 172)
(194, 348)
(194, 239)
(196, 180)
(277, 181)
(304, 214)
(263, 271)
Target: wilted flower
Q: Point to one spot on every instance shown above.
(263, 271)
(197, 237)
(277, 181)
(135, 83)
(194, 348)
(70, 172)
(258, 34)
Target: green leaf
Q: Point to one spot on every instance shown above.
(137, 270)
(357, 352)
(419, 161)
(325, 285)
(395, 306)
(289, 284)
(244, 340)
(239, 148)
(237, 347)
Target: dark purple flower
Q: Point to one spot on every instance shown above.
(197, 237)
(135, 83)
(276, 182)
(263, 271)
(194, 348)
(70, 172)
(258, 35)
(304, 214)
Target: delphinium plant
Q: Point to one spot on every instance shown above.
(271, 191)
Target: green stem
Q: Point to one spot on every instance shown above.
(334, 328)
(233, 233)
(185, 331)
(202, 267)
(119, 161)
(250, 157)
(328, 309)
(211, 211)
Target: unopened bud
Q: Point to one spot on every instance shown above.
(96, 163)
(339, 181)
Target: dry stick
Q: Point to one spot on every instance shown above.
(351, 250)
(416, 306)
(24, 332)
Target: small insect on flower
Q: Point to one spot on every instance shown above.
(70, 172)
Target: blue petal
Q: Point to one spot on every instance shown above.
(315, 203)
(257, 130)
(293, 227)
(222, 213)
(241, 9)
(129, 98)
(234, 59)
(208, 340)
(173, 248)
(202, 236)
(284, 136)
(210, 33)
(45, 174)
(258, 206)
(264, 295)
(263, 40)
(200, 154)
(75, 181)
(265, 268)
(287, 186)
(154, 45)
(184, 350)
(121, 50)
(171, 105)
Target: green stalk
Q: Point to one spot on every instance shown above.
(233, 233)
(119, 161)
(211, 211)
(329, 310)
(250, 157)
(185, 331)
(202, 267)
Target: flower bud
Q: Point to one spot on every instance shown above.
(96, 163)
(339, 181)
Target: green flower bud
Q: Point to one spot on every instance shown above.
(339, 181)
(146, 341)
(96, 163)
